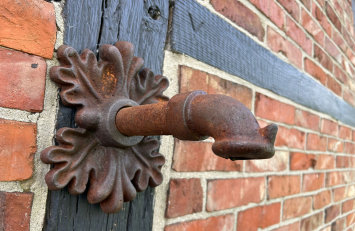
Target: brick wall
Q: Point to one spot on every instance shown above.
(28, 35)
(310, 182)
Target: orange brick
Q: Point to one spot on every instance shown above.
(192, 80)
(275, 164)
(350, 219)
(292, 138)
(316, 142)
(240, 192)
(184, 197)
(339, 194)
(345, 133)
(343, 162)
(272, 109)
(314, 70)
(307, 120)
(277, 43)
(29, 26)
(240, 15)
(225, 223)
(280, 186)
(349, 148)
(313, 181)
(347, 206)
(296, 207)
(312, 222)
(339, 225)
(192, 156)
(329, 127)
(325, 162)
(322, 199)
(336, 178)
(22, 78)
(335, 145)
(259, 217)
(302, 161)
(311, 26)
(18, 142)
(15, 210)
(349, 97)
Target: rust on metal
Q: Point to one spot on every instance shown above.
(196, 116)
(119, 106)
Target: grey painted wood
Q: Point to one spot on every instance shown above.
(204, 36)
(89, 23)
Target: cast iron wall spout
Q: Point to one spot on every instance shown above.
(111, 154)
(196, 116)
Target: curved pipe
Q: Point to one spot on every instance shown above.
(197, 116)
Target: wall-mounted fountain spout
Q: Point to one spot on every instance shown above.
(118, 105)
(196, 116)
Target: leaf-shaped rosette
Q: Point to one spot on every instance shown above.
(95, 155)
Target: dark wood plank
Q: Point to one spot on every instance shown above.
(89, 23)
(204, 36)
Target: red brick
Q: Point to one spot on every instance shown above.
(313, 181)
(292, 8)
(225, 223)
(240, 15)
(322, 199)
(25, 89)
(340, 74)
(292, 138)
(258, 217)
(350, 219)
(316, 142)
(332, 16)
(322, 19)
(311, 26)
(241, 191)
(347, 206)
(345, 133)
(335, 145)
(353, 135)
(349, 97)
(321, 3)
(347, 67)
(323, 58)
(312, 222)
(296, 207)
(298, 35)
(313, 69)
(185, 197)
(292, 227)
(239, 92)
(272, 109)
(302, 161)
(333, 50)
(279, 44)
(198, 157)
(307, 120)
(339, 225)
(334, 86)
(339, 41)
(271, 10)
(343, 162)
(29, 26)
(329, 127)
(351, 85)
(352, 162)
(15, 210)
(18, 146)
(280, 186)
(192, 80)
(349, 54)
(332, 212)
(325, 162)
(275, 164)
(349, 148)
(351, 191)
(307, 4)
(339, 194)
(334, 178)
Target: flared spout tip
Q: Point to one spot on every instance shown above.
(261, 146)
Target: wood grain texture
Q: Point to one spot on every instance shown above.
(90, 23)
(206, 37)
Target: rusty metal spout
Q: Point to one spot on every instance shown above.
(197, 116)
